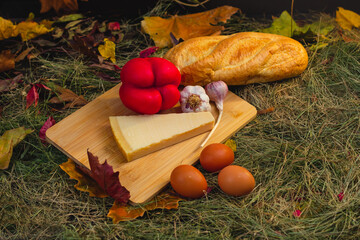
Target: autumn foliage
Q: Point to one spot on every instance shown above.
(119, 211)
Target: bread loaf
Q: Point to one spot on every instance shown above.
(238, 59)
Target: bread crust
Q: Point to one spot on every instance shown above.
(238, 59)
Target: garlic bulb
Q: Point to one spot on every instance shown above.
(217, 92)
(194, 99)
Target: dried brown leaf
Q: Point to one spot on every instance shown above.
(68, 97)
(186, 26)
(57, 5)
(120, 212)
(7, 60)
(265, 111)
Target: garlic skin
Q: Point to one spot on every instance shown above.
(194, 99)
(217, 92)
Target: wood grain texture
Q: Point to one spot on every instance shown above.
(89, 128)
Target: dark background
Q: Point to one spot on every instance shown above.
(135, 8)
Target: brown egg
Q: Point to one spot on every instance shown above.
(188, 181)
(216, 156)
(236, 181)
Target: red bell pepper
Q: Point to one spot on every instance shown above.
(149, 85)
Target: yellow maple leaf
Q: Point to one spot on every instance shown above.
(186, 26)
(347, 19)
(107, 50)
(7, 143)
(7, 29)
(84, 182)
(118, 212)
(29, 30)
(165, 200)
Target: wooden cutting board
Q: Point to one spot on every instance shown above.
(89, 128)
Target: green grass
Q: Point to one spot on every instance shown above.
(302, 156)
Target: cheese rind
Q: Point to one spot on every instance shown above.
(139, 135)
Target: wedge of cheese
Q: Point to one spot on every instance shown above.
(140, 135)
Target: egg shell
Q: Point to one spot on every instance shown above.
(236, 180)
(216, 156)
(188, 181)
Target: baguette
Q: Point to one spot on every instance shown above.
(238, 59)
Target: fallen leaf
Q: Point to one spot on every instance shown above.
(114, 26)
(72, 24)
(84, 182)
(96, 35)
(120, 212)
(22, 55)
(47, 23)
(317, 46)
(40, 85)
(286, 26)
(57, 5)
(68, 97)
(32, 97)
(297, 213)
(7, 60)
(318, 28)
(7, 143)
(340, 196)
(44, 43)
(186, 26)
(107, 50)
(42, 133)
(347, 19)
(107, 179)
(30, 30)
(231, 144)
(70, 17)
(283, 25)
(7, 29)
(58, 32)
(147, 52)
(265, 111)
(27, 29)
(10, 84)
(346, 38)
(31, 17)
(79, 44)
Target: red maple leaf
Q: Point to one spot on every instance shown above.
(33, 95)
(147, 52)
(109, 181)
(42, 134)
